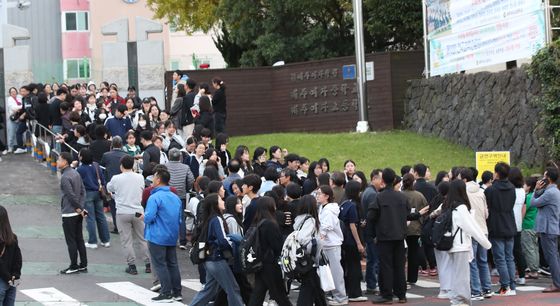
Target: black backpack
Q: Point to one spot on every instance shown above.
(250, 252)
(442, 237)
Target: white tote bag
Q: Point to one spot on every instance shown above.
(325, 274)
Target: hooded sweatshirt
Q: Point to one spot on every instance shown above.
(501, 199)
(305, 225)
(479, 208)
(464, 221)
(330, 230)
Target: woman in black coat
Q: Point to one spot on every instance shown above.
(206, 118)
(10, 260)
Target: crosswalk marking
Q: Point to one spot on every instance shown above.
(427, 284)
(193, 284)
(529, 288)
(133, 292)
(51, 297)
(414, 296)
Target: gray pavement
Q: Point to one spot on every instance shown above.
(31, 195)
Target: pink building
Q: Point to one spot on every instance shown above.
(76, 48)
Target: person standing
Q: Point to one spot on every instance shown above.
(163, 218)
(10, 261)
(112, 162)
(92, 176)
(73, 213)
(429, 191)
(183, 180)
(120, 123)
(372, 257)
(547, 224)
(13, 106)
(389, 213)
(501, 227)
(151, 155)
(219, 104)
(529, 240)
(127, 188)
(187, 120)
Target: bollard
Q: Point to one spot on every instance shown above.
(53, 165)
(35, 155)
(40, 154)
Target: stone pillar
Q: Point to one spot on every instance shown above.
(115, 57)
(151, 68)
(17, 59)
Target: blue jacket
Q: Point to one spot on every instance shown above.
(548, 216)
(89, 176)
(162, 217)
(217, 239)
(118, 127)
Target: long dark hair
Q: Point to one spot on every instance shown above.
(265, 210)
(231, 202)
(210, 210)
(308, 205)
(7, 237)
(457, 195)
(327, 190)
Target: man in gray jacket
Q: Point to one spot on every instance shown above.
(73, 213)
(547, 224)
(182, 179)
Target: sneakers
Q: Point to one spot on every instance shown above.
(358, 299)
(106, 244)
(477, 297)
(148, 268)
(5, 152)
(433, 272)
(182, 247)
(381, 300)
(520, 281)
(163, 298)
(494, 272)
(403, 300)
(372, 291)
(82, 269)
(177, 297)
(131, 270)
(156, 287)
(70, 270)
(544, 271)
(443, 295)
(488, 294)
(20, 151)
(505, 291)
(91, 245)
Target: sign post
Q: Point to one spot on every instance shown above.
(363, 125)
(487, 160)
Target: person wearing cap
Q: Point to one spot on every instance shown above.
(132, 95)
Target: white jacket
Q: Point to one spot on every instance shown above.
(306, 231)
(331, 234)
(479, 207)
(468, 228)
(518, 207)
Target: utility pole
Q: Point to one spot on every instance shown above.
(363, 125)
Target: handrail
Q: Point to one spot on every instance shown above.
(46, 129)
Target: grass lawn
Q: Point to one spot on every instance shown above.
(371, 150)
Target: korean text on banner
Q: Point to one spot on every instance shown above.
(486, 161)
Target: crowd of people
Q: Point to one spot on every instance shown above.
(171, 182)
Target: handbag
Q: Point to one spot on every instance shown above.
(325, 274)
(103, 193)
(198, 253)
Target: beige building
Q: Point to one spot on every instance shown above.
(188, 52)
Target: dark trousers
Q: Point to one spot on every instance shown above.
(164, 261)
(72, 227)
(310, 292)
(391, 268)
(413, 258)
(518, 256)
(244, 287)
(202, 274)
(269, 279)
(113, 208)
(430, 255)
(21, 129)
(352, 270)
(219, 122)
(182, 226)
(550, 250)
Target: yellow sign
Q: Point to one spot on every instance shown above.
(486, 161)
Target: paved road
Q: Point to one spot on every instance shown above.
(30, 193)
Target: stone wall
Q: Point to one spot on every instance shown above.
(484, 111)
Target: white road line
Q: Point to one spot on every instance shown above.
(133, 292)
(427, 284)
(414, 296)
(51, 297)
(193, 284)
(529, 288)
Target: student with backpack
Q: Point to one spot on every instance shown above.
(463, 228)
(306, 229)
(331, 237)
(352, 248)
(269, 246)
(218, 248)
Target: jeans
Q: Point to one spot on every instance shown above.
(21, 129)
(11, 129)
(57, 129)
(72, 227)
(7, 294)
(164, 261)
(372, 265)
(182, 226)
(96, 218)
(502, 250)
(480, 273)
(550, 249)
(218, 274)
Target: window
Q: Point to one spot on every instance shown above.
(174, 64)
(77, 68)
(75, 21)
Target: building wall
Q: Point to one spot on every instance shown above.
(101, 14)
(201, 45)
(42, 19)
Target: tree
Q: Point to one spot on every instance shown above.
(259, 33)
